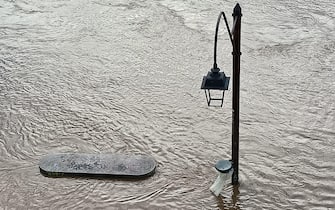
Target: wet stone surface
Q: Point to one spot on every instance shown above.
(97, 164)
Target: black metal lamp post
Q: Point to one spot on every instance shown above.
(216, 80)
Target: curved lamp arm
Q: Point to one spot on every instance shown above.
(216, 35)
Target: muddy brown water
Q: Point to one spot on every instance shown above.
(124, 77)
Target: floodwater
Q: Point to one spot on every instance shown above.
(112, 76)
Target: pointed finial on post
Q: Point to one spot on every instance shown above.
(237, 10)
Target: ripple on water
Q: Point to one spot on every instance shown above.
(108, 77)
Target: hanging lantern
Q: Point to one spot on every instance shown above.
(215, 80)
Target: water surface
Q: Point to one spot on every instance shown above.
(124, 77)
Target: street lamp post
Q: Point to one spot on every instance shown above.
(236, 90)
(216, 80)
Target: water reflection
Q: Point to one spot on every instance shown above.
(229, 202)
